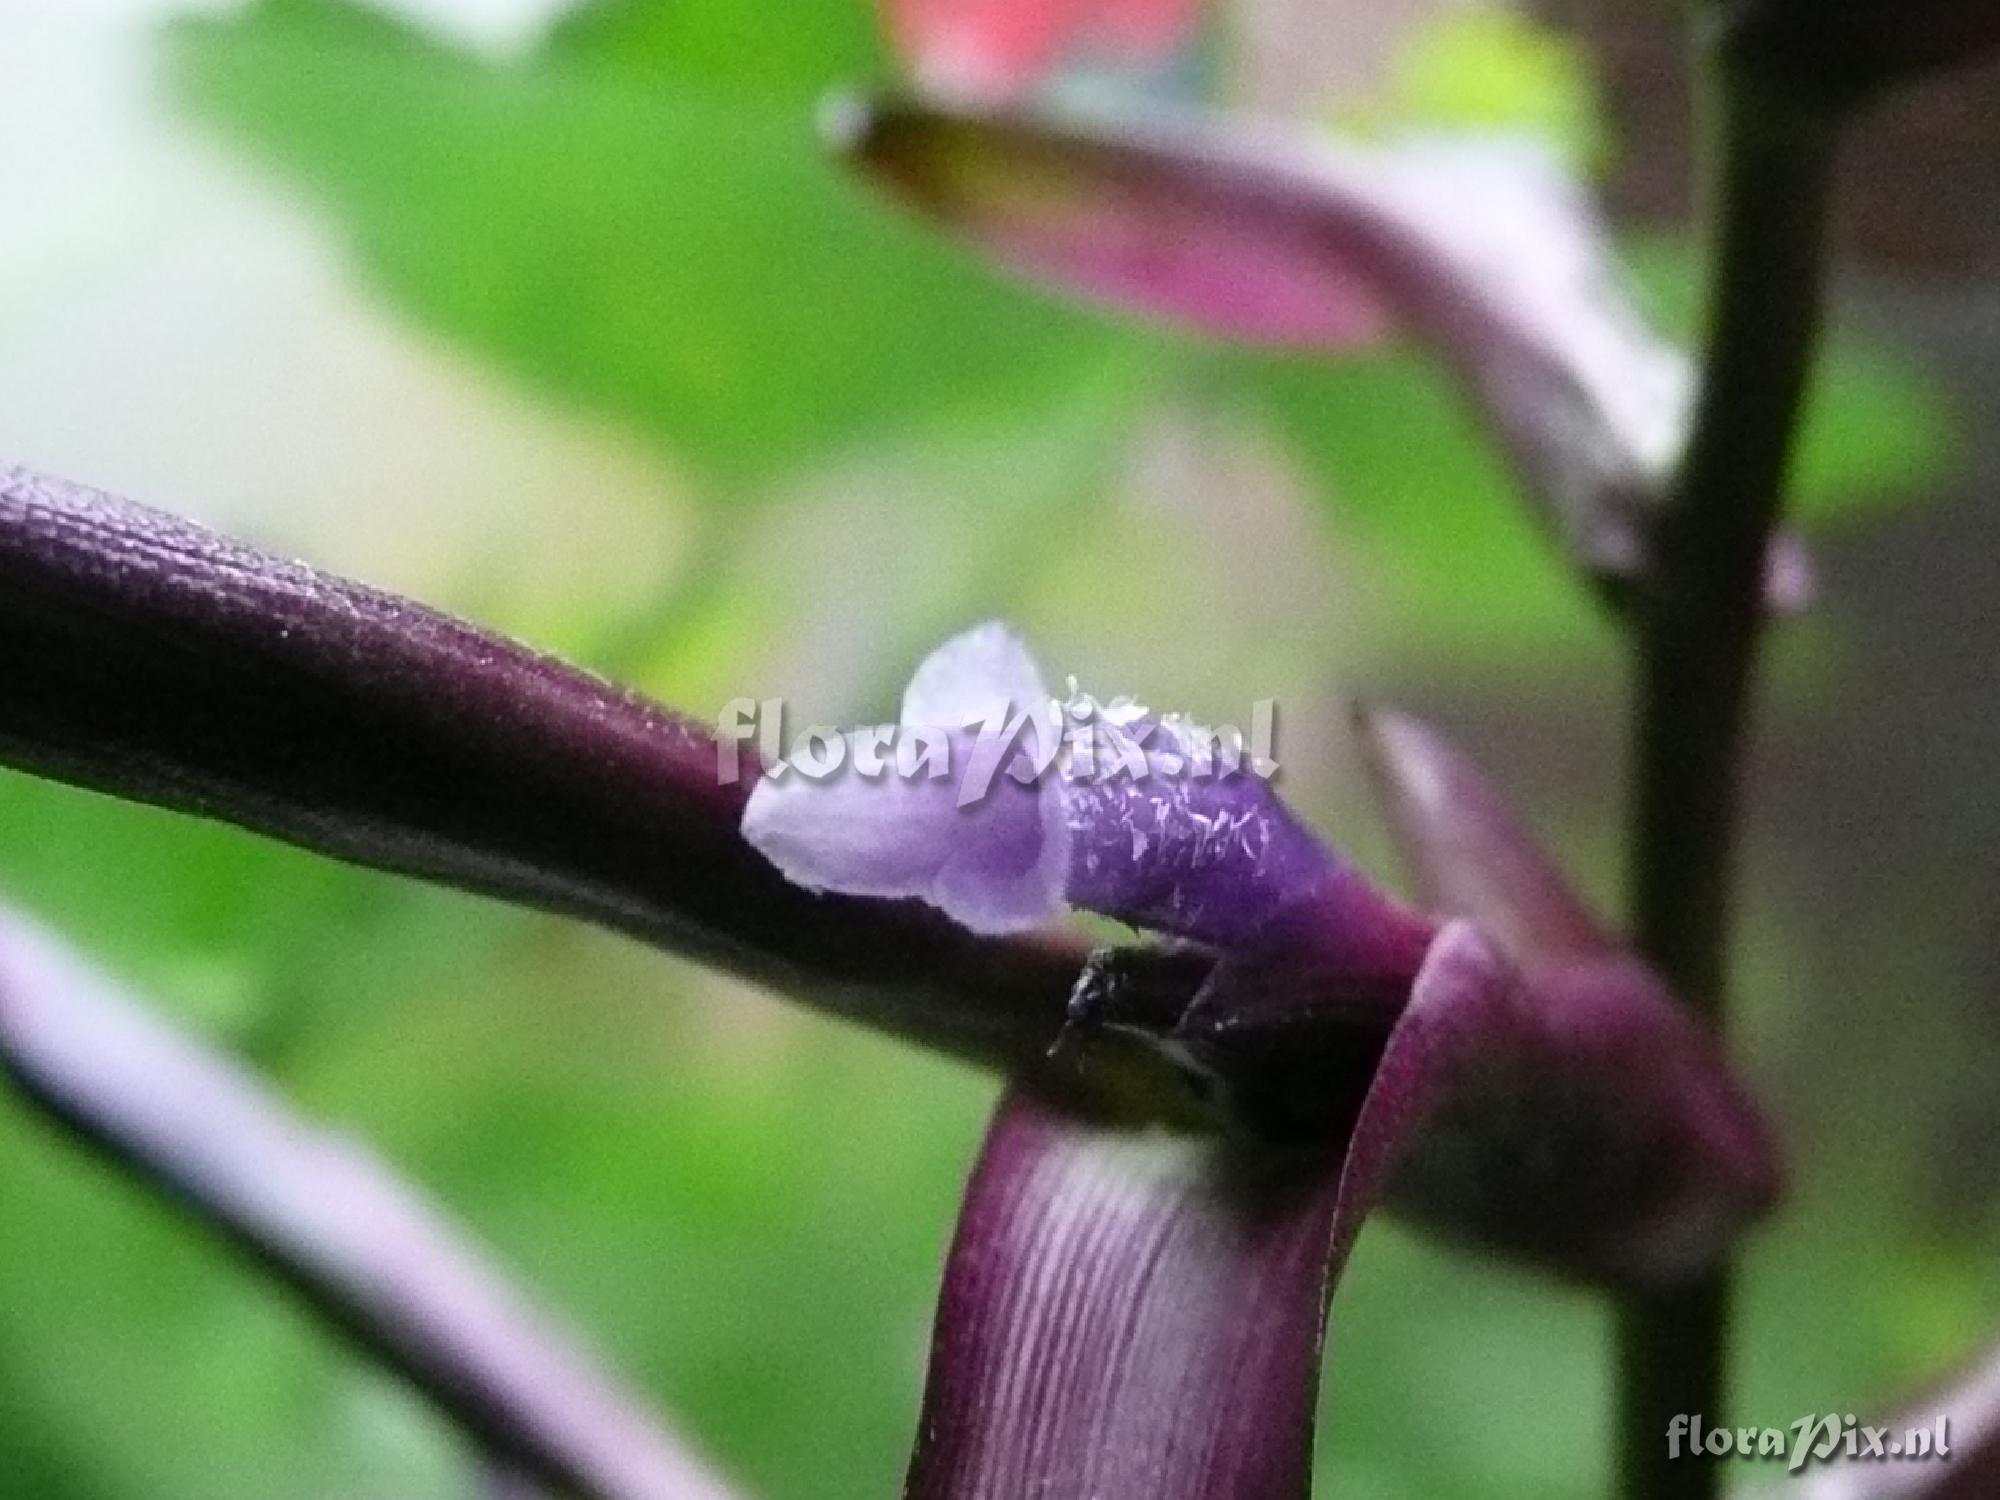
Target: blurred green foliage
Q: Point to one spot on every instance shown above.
(730, 1201)
(1490, 68)
(747, 1208)
(638, 217)
(632, 223)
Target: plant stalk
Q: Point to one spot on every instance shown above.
(1696, 637)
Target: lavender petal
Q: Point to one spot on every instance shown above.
(995, 866)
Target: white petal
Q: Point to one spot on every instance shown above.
(970, 676)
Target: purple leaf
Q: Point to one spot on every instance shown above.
(1133, 1312)
(1125, 1315)
(368, 1253)
(145, 657)
(1469, 854)
(1602, 1128)
(1481, 249)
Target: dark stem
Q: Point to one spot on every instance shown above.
(1696, 643)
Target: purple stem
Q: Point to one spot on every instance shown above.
(148, 658)
(370, 1255)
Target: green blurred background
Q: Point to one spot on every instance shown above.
(556, 315)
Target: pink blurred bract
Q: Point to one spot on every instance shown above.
(998, 49)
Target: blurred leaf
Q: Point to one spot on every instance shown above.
(1490, 68)
(1505, 1374)
(985, 508)
(1400, 464)
(612, 221)
(341, 1230)
(793, 52)
(675, 1170)
(1879, 433)
(1395, 457)
(222, 926)
(747, 1209)
(239, 1393)
(632, 238)
(158, 1367)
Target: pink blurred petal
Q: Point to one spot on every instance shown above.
(1126, 219)
(998, 49)
(1142, 30)
(981, 49)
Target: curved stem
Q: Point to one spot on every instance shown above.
(1696, 647)
(153, 660)
(371, 1256)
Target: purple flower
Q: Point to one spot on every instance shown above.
(1193, 1129)
(1045, 801)
(953, 826)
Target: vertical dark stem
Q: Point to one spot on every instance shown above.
(1696, 645)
